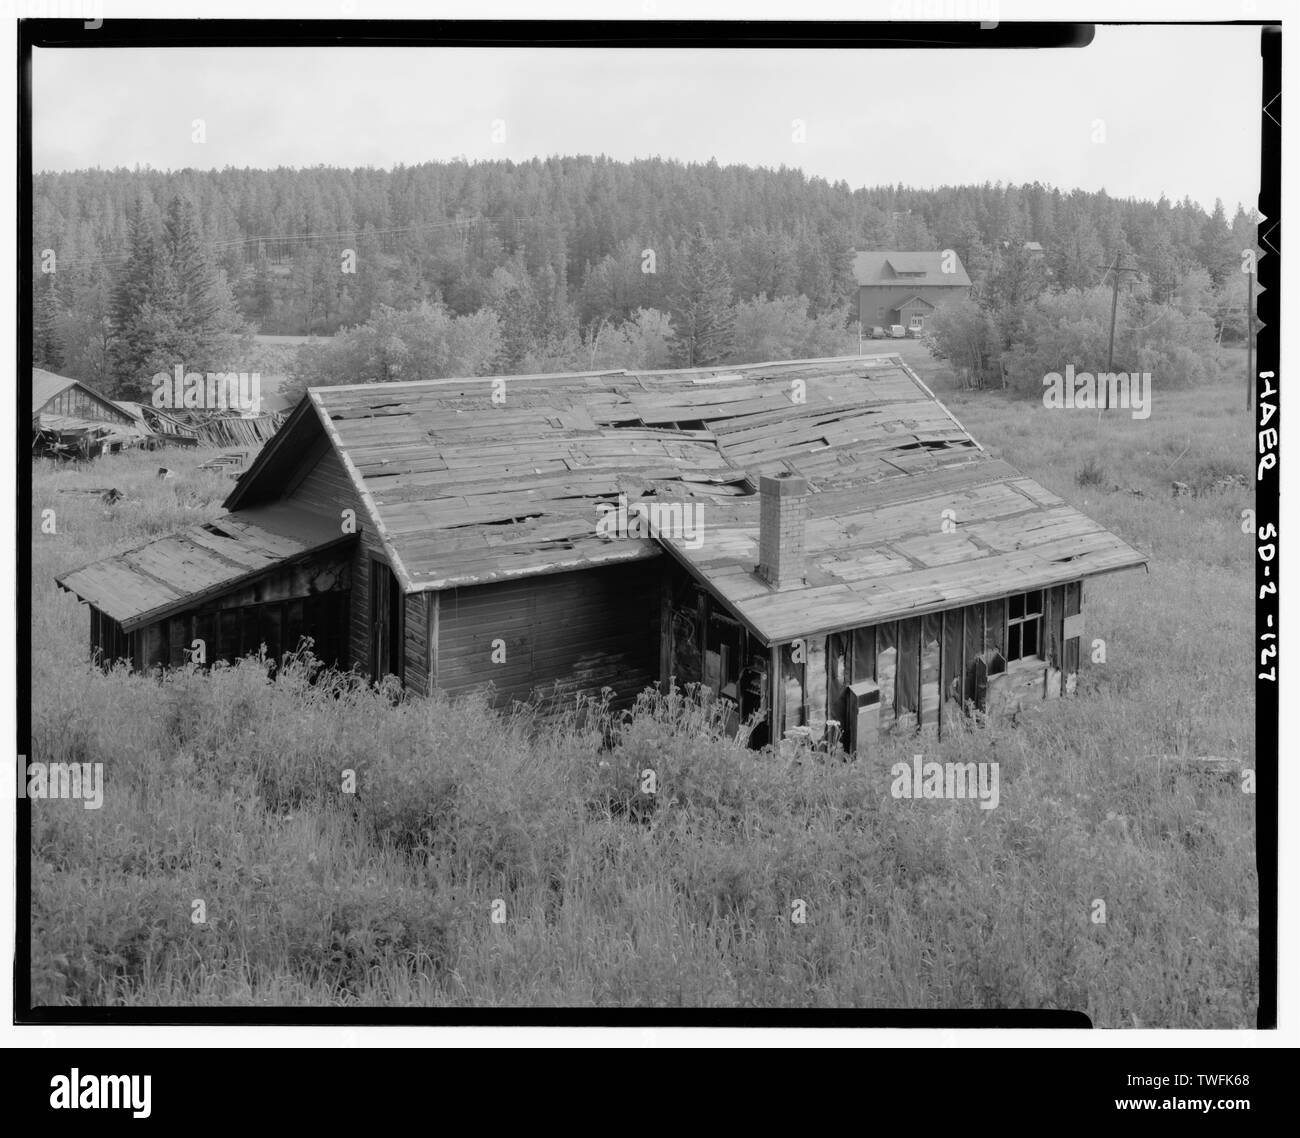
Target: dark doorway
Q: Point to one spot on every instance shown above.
(386, 604)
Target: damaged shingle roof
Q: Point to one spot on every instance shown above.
(469, 481)
(145, 584)
(466, 489)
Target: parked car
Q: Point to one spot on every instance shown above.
(898, 332)
(915, 326)
(877, 333)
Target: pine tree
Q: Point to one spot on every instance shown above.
(515, 301)
(702, 303)
(192, 282)
(1219, 253)
(47, 347)
(1076, 250)
(172, 306)
(1161, 264)
(1016, 279)
(136, 289)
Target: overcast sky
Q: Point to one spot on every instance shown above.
(1179, 107)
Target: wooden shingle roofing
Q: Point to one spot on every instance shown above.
(145, 584)
(476, 480)
(464, 488)
(884, 554)
(470, 481)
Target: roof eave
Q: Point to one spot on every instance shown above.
(191, 600)
(785, 636)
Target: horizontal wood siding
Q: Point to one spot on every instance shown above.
(556, 635)
(326, 490)
(415, 646)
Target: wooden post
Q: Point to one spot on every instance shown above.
(961, 681)
(433, 616)
(776, 690)
(702, 631)
(803, 684)
(938, 711)
(665, 626)
(920, 673)
(1114, 304)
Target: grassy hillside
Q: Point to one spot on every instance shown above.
(225, 789)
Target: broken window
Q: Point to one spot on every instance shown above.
(1024, 626)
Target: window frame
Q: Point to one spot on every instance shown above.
(1018, 624)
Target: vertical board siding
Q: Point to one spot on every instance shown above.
(815, 685)
(839, 662)
(974, 646)
(792, 687)
(995, 626)
(555, 636)
(1073, 606)
(930, 662)
(951, 679)
(863, 655)
(906, 694)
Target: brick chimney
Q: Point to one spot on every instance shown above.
(783, 512)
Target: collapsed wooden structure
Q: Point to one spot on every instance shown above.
(71, 420)
(205, 428)
(827, 547)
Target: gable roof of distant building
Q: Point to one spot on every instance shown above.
(890, 267)
(46, 385)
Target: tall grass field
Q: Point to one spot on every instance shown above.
(488, 860)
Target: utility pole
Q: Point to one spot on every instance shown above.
(1114, 305)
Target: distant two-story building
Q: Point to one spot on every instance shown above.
(894, 287)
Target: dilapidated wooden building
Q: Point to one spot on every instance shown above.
(819, 542)
(71, 420)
